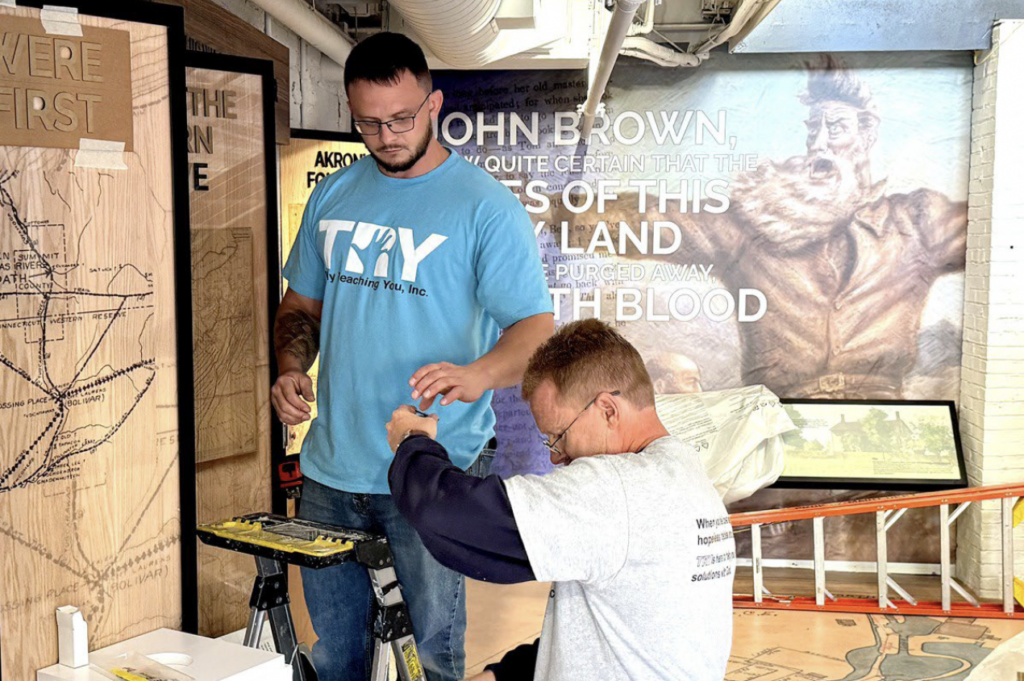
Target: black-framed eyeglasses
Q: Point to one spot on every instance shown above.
(551, 445)
(402, 124)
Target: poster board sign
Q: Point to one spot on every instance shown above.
(58, 89)
(878, 445)
(735, 245)
(233, 226)
(311, 156)
(95, 423)
(813, 243)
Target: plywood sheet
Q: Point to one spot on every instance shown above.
(89, 478)
(229, 228)
(209, 28)
(65, 86)
(225, 343)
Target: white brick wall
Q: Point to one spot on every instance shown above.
(316, 103)
(992, 377)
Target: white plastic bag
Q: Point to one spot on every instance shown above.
(737, 432)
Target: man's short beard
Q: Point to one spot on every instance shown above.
(417, 153)
(788, 209)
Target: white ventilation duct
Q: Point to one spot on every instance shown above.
(460, 32)
(470, 34)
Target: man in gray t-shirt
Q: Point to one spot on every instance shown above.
(632, 533)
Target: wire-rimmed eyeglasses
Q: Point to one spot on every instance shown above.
(396, 125)
(552, 444)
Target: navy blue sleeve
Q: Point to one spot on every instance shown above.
(465, 522)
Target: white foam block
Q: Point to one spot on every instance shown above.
(203, 659)
(72, 637)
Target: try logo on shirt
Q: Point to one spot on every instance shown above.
(372, 248)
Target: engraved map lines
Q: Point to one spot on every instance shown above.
(44, 306)
(81, 349)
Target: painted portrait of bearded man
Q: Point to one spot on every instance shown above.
(845, 265)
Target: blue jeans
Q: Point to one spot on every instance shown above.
(340, 599)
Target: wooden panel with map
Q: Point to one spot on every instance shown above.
(89, 363)
(234, 290)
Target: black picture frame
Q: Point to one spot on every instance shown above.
(173, 19)
(882, 484)
(265, 70)
(327, 135)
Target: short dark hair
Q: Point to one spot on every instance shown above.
(587, 357)
(383, 57)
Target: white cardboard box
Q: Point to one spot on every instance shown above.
(208, 659)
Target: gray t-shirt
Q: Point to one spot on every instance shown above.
(642, 555)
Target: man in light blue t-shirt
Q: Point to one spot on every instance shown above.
(407, 266)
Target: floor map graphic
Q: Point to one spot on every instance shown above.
(809, 646)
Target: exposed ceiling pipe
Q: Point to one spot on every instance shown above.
(687, 27)
(311, 26)
(615, 41)
(639, 54)
(753, 22)
(646, 24)
(743, 14)
(622, 19)
(643, 48)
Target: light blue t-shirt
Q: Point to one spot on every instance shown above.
(410, 272)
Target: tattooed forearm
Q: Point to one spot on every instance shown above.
(297, 334)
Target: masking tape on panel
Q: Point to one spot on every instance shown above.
(60, 20)
(100, 154)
